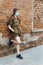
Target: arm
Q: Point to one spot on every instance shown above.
(10, 28)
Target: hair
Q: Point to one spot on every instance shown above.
(14, 11)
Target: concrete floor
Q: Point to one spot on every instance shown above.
(33, 56)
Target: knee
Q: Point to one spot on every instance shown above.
(18, 39)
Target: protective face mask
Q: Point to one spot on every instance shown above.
(17, 14)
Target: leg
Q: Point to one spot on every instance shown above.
(17, 41)
(18, 47)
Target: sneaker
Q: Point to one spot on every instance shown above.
(19, 56)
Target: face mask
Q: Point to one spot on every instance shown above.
(17, 14)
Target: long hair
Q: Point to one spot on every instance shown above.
(14, 11)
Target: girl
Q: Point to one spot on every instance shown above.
(14, 27)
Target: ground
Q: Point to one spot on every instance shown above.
(33, 56)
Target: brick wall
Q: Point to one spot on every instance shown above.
(25, 6)
(38, 14)
(6, 8)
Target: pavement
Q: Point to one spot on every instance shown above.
(33, 56)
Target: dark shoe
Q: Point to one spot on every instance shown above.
(10, 43)
(19, 56)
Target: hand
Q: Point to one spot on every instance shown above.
(13, 31)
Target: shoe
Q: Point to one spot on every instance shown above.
(19, 56)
